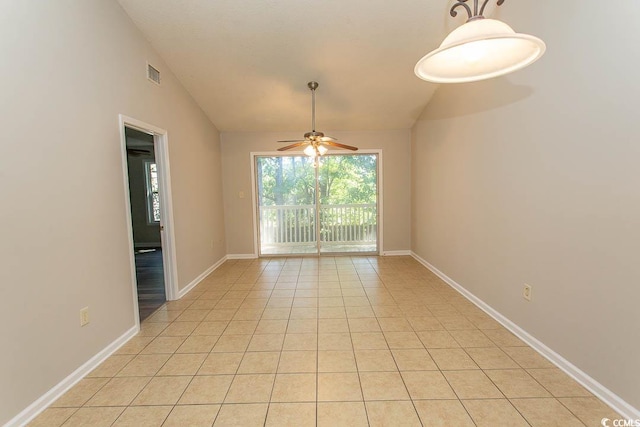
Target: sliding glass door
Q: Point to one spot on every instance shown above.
(328, 208)
(348, 210)
(286, 205)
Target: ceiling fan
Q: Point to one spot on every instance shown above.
(315, 141)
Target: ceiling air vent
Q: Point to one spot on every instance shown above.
(153, 74)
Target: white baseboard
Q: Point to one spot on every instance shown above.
(242, 256)
(396, 253)
(33, 410)
(63, 386)
(607, 396)
(182, 292)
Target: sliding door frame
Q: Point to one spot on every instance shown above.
(254, 200)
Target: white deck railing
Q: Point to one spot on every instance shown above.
(355, 223)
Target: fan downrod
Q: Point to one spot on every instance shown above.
(316, 138)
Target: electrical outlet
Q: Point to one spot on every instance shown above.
(526, 292)
(84, 316)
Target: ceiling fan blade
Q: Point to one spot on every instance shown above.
(293, 140)
(328, 139)
(289, 147)
(337, 144)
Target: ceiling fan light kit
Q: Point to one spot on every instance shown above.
(314, 151)
(316, 142)
(480, 49)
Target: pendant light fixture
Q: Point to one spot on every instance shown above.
(480, 49)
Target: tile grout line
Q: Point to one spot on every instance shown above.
(275, 377)
(237, 368)
(353, 350)
(398, 369)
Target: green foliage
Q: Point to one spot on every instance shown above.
(342, 179)
(350, 179)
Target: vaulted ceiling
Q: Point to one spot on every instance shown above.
(247, 62)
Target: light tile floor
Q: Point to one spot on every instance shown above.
(345, 341)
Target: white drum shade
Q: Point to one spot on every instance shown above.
(478, 50)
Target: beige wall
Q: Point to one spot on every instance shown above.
(68, 69)
(535, 178)
(236, 167)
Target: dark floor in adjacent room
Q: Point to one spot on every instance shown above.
(150, 276)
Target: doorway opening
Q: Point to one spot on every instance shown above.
(150, 220)
(308, 208)
(144, 197)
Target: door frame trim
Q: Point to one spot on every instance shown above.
(254, 192)
(167, 237)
